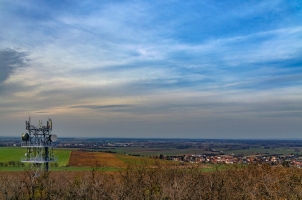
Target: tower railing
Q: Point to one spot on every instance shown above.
(39, 159)
(35, 144)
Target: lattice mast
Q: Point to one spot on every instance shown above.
(38, 142)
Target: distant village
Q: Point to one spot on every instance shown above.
(289, 160)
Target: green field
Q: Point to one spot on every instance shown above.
(63, 156)
(11, 153)
(16, 153)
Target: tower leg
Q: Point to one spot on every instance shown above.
(46, 159)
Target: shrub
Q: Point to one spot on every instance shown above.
(158, 181)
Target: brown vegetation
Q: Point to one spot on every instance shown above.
(85, 158)
(157, 182)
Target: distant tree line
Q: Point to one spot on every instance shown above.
(12, 163)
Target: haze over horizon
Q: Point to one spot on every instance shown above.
(162, 69)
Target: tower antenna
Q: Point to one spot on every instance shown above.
(37, 141)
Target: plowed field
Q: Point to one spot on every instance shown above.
(84, 158)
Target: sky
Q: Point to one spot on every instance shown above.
(152, 69)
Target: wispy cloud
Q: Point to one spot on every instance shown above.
(103, 106)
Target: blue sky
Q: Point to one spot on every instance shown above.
(184, 69)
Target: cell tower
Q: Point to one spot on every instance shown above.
(38, 140)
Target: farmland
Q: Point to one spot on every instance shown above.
(71, 160)
(158, 151)
(113, 154)
(190, 151)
